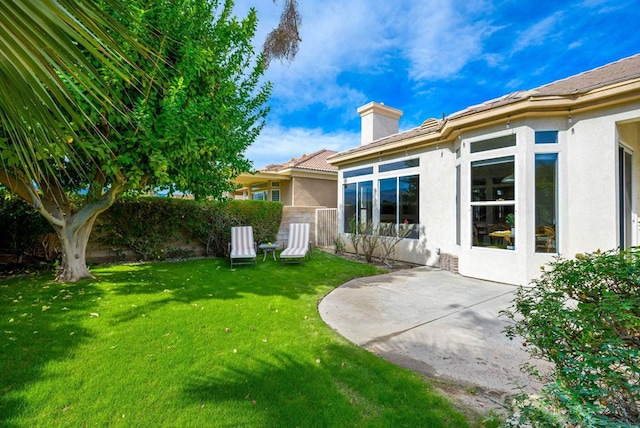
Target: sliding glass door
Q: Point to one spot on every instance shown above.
(625, 194)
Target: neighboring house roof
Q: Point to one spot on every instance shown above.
(315, 162)
(559, 96)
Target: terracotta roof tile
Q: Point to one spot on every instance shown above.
(316, 161)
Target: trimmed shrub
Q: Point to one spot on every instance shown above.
(145, 225)
(212, 227)
(151, 225)
(583, 315)
(155, 228)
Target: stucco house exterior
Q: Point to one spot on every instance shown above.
(304, 181)
(304, 185)
(498, 189)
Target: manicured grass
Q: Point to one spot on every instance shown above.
(194, 344)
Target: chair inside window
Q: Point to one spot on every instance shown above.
(242, 249)
(298, 244)
(498, 227)
(545, 239)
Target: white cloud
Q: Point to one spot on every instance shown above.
(539, 33)
(444, 36)
(606, 6)
(427, 40)
(436, 38)
(574, 45)
(277, 144)
(425, 43)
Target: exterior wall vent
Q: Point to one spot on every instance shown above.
(430, 123)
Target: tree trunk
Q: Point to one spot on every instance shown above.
(74, 237)
(73, 229)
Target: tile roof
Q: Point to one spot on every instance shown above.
(609, 74)
(316, 161)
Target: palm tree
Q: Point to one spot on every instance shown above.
(41, 41)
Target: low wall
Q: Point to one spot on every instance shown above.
(297, 215)
(98, 252)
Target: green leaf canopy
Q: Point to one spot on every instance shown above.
(203, 107)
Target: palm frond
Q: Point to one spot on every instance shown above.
(40, 42)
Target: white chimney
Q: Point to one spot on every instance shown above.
(378, 121)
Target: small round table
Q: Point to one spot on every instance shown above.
(266, 247)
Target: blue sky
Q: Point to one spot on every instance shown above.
(426, 58)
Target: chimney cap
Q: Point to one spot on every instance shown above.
(379, 108)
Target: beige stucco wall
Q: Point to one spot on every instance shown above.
(285, 192)
(315, 192)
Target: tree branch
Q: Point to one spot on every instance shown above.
(96, 208)
(15, 185)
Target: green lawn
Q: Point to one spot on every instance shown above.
(194, 344)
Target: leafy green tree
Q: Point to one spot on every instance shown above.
(185, 130)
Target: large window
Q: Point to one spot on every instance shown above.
(493, 202)
(400, 202)
(260, 196)
(546, 194)
(358, 204)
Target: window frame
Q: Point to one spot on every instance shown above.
(358, 208)
(506, 151)
(538, 230)
(415, 233)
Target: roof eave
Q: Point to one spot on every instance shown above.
(249, 178)
(549, 105)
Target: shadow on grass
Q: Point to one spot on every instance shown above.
(336, 389)
(40, 323)
(206, 279)
(43, 321)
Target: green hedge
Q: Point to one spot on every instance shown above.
(158, 228)
(21, 226)
(153, 227)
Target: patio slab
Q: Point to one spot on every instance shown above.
(435, 322)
